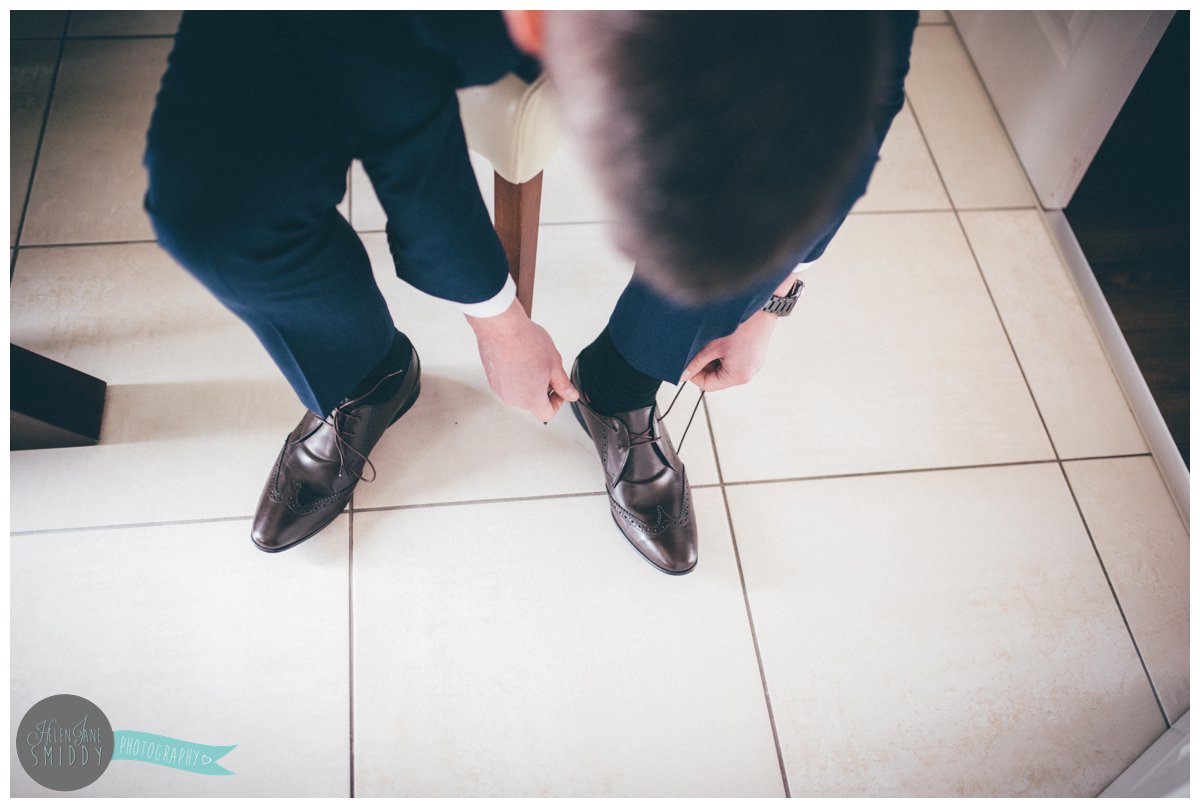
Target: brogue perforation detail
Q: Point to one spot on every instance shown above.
(663, 523)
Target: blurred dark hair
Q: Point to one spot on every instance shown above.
(724, 140)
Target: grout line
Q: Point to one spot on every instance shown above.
(492, 501)
(1166, 454)
(1068, 269)
(1058, 459)
(987, 287)
(165, 523)
(1117, 600)
(737, 557)
(1105, 457)
(1004, 326)
(852, 474)
(95, 37)
(893, 212)
(568, 224)
(991, 102)
(498, 500)
(381, 231)
(37, 152)
(540, 224)
(66, 245)
(947, 209)
(350, 612)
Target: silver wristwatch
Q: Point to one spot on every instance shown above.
(782, 306)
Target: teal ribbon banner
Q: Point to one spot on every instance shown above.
(163, 751)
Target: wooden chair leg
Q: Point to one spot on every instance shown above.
(518, 212)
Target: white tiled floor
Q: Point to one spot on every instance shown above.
(515, 649)
(943, 633)
(936, 556)
(973, 154)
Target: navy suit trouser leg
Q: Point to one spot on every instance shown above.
(257, 121)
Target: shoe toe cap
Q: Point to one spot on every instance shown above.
(274, 534)
(674, 551)
(277, 527)
(677, 550)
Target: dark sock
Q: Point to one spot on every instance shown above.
(610, 383)
(398, 358)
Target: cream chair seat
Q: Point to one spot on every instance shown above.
(512, 123)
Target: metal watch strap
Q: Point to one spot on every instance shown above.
(782, 306)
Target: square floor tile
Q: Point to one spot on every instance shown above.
(190, 632)
(967, 140)
(195, 411)
(32, 68)
(90, 180)
(1145, 548)
(129, 314)
(167, 452)
(894, 359)
(940, 634)
(1075, 388)
(905, 177)
(524, 648)
(460, 442)
(123, 23)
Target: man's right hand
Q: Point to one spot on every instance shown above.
(521, 362)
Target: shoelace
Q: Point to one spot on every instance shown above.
(341, 443)
(644, 437)
(635, 439)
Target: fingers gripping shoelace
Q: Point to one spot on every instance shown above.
(341, 443)
(639, 438)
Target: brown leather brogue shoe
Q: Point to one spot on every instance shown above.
(648, 491)
(323, 459)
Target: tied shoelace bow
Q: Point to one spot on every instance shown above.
(644, 437)
(341, 443)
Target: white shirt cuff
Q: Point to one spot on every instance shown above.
(496, 304)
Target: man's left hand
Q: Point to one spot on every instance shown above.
(735, 359)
